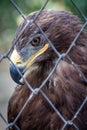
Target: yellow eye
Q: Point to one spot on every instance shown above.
(35, 41)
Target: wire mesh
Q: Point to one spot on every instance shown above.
(59, 55)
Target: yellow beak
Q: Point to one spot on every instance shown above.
(23, 66)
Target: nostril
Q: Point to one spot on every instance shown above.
(18, 62)
(16, 76)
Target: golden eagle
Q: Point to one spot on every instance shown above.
(35, 58)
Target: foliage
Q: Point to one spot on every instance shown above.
(81, 4)
(69, 5)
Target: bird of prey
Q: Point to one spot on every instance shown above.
(34, 56)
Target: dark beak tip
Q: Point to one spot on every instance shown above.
(15, 74)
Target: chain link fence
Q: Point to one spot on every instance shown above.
(60, 56)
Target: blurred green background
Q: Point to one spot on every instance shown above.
(9, 21)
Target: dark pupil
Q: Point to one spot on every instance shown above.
(35, 42)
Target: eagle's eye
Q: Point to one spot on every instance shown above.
(35, 41)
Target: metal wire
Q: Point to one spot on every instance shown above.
(59, 55)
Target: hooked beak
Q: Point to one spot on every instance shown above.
(16, 73)
(18, 68)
